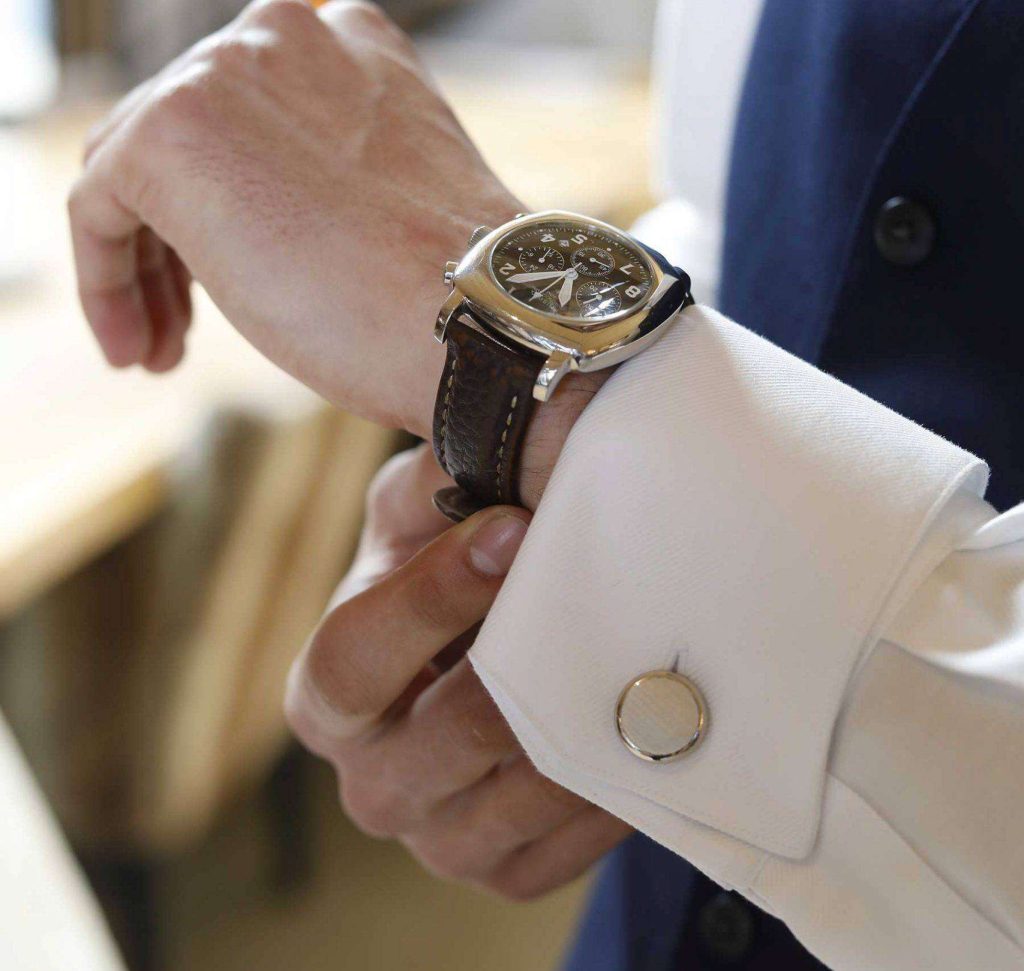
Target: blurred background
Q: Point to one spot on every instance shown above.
(167, 543)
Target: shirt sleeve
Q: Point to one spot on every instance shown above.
(827, 574)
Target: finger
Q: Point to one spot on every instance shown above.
(451, 737)
(470, 835)
(104, 237)
(369, 648)
(398, 503)
(167, 308)
(349, 18)
(558, 858)
(400, 520)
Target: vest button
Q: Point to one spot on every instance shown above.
(726, 929)
(904, 231)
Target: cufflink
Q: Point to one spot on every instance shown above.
(661, 716)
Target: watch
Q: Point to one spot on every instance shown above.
(532, 300)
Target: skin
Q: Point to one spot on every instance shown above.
(384, 693)
(303, 168)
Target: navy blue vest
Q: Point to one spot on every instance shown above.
(849, 104)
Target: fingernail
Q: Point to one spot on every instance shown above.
(495, 544)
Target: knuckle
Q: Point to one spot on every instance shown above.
(443, 860)
(516, 885)
(255, 51)
(177, 109)
(286, 15)
(369, 807)
(93, 139)
(400, 481)
(368, 15)
(369, 21)
(185, 100)
(554, 794)
(475, 723)
(296, 714)
(241, 52)
(383, 485)
(76, 199)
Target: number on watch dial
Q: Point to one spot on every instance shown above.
(581, 273)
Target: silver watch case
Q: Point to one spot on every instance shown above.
(566, 345)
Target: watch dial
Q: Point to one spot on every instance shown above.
(575, 271)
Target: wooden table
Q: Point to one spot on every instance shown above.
(86, 455)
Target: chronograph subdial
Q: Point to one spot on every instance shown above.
(598, 299)
(593, 261)
(537, 258)
(536, 296)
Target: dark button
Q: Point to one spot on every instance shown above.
(904, 231)
(726, 926)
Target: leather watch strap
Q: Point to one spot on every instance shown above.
(484, 403)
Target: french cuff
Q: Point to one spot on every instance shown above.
(725, 511)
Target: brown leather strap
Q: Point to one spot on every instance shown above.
(483, 406)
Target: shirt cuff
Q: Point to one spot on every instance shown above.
(724, 509)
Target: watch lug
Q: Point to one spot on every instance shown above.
(449, 272)
(449, 309)
(556, 367)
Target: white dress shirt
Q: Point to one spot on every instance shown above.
(829, 576)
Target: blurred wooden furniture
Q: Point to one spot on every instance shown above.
(146, 688)
(163, 661)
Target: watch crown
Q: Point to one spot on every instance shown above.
(449, 273)
(478, 234)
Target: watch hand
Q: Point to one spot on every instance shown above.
(531, 277)
(565, 294)
(605, 288)
(538, 293)
(564, 273)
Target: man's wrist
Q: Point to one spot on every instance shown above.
(549, 429)
(448, 239)
(551, 421)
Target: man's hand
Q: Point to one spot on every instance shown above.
(304, 169)
(384, 693)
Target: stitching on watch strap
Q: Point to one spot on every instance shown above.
(448, 392)
(501, 448)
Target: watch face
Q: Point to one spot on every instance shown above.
(577, 272)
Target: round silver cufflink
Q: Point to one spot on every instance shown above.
(661, 716)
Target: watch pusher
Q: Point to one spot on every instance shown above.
(478, 234)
